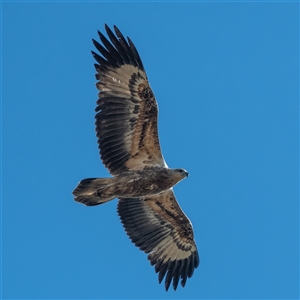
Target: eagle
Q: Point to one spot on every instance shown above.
(127, 133)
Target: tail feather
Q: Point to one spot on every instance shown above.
(94, 191)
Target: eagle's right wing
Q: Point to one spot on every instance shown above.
(157, 225)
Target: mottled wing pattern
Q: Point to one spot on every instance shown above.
(126, 119)
(158, 226)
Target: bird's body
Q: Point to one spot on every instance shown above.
(126, 126)
(151, 181)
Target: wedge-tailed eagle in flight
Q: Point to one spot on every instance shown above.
(126, 127)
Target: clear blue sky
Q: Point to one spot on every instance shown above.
(226, 77)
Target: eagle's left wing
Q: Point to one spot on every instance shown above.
(126, 119)
(157, 225)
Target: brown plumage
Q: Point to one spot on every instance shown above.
(126, 127)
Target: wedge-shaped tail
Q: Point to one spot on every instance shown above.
(94, 191)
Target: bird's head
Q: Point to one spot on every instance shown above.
(177, 175)
(182, 173)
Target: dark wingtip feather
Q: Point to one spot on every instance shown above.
(176, 274)
(162, 273)
(109, 31)
(191, 268)
(100, 34)
(184, 272)
(106, 26)
(94, 41)
(136, 54)
(116, 29)
(167, 284)
(196, 260)
(169, 277)
(99, 59)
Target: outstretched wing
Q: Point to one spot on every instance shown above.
(158, 226)
(126, 119)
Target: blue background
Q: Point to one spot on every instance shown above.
(226, 78)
